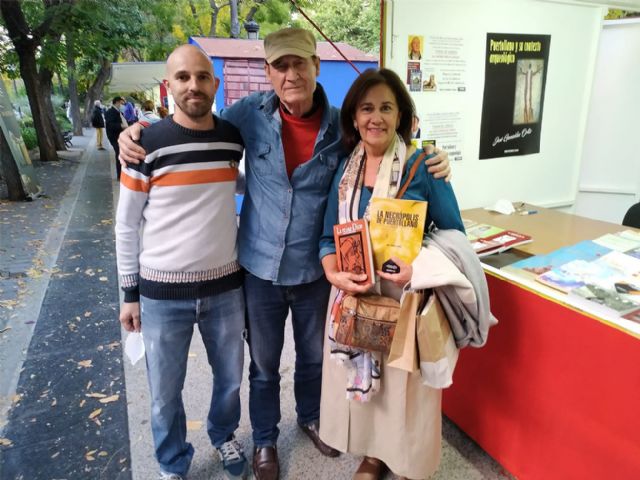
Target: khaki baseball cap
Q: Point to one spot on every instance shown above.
(289, 41)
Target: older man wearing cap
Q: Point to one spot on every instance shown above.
(292, 149)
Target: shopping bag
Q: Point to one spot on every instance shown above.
(404, 351)
(437, 350)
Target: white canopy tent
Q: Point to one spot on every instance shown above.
(136, 76)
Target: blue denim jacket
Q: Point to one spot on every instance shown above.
(281, 219)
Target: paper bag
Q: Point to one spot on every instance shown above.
(437, 350)
(404, 352)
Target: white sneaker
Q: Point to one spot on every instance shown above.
(169, 476)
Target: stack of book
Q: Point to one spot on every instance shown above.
(603, 274)
(488, 239)
(396, 230)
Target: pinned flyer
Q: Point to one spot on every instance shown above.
(134, 347)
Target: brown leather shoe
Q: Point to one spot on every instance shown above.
(312, 432)
(265, 463)
(370, 469)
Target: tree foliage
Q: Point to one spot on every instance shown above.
(356, 23)
(617, 14)
(78, 39)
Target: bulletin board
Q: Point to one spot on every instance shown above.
(441, 49)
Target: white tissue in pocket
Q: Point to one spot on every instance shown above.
(134, 347)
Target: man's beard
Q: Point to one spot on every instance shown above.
(198, 110)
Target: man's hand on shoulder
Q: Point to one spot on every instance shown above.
(130, 151)
(439, 165)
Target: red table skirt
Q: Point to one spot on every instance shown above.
(554, 394)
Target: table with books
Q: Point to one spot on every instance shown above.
(555, 392)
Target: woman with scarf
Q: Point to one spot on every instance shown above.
(367, 408)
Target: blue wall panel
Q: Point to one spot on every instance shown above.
(337, 77)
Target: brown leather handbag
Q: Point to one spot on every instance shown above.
(367, 322)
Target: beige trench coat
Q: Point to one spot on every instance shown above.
(401, 425)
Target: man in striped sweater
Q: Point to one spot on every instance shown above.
(177, 260)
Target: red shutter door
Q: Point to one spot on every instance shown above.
(242, 77)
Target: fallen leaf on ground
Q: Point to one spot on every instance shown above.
(34, 273)
(82, 402)
(90, 272)
(85, 363)
(89, 385)
(55, 455)
(193, 425)
(87, 314)
(112, 398)
(103, 454)
(5, 329)
(5, 442)
(103, 279)
(8, 304)
(95, 413)
(95, 395)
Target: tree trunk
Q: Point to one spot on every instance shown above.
(73, 87)
(9, 171)
(235, 24)
(214, 18)
(46, 86)
(194, 13)
(25, 47)
(95, 90)
(252, 11)
(44, 132)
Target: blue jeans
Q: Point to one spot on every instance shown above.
(167, 327)
(267, 309)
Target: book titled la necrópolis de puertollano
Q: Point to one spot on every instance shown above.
(353, 248)
(397, 228)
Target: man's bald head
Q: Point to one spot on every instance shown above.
(187, 54)
(193, 85)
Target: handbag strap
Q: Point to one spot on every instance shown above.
(412, 173)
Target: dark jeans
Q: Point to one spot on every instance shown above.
(113, 140)
(167, 326)
(267, 310)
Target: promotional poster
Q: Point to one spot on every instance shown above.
(512, 107)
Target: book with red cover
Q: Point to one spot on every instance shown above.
(353, 248)
(499, 242)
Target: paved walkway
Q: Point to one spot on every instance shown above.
(71, 407)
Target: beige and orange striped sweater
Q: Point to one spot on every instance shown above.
(176, 222)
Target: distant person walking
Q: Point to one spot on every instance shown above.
(130, 114)
(147, 115)
(115, 123)
(97, 122)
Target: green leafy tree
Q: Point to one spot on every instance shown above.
(34, 31)
(98, 33)
(356, 23)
